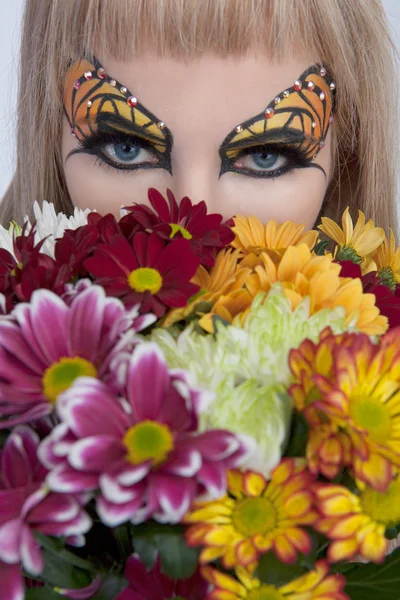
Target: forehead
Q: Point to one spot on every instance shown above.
(209, 95)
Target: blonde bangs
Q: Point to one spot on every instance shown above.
(349, 36)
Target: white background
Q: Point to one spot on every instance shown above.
(10, 18)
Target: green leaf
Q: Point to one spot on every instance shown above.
(59, 573)
(320, 247)
(298, 436)
(274, 572)
(41, 593)
(111, 587)
(370, 581)
(178, 561)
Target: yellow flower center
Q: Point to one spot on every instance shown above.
(254, 515)
(63, 373)
(148, 441)
(145, 279)
(372, 416)
(175, 228)
(265, 592)
(383, 508)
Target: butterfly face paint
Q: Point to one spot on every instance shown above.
(294, 125)
(101, 111)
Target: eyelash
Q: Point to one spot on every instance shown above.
(98, 140)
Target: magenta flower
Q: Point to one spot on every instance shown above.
(26, 506)
(141, 450)
(144, 584)
(48, 343)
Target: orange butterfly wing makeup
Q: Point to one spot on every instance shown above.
(94, 101)
(298, 117)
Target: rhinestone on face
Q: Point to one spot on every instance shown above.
(101, 73)
(297, 85)
(286, 93)
(89, 103)
(123, 90)
(313, 124)
(73, 132)
(332, 85)
(277, 100)
(77, 84)
(113, 82)
(239, 129)
(132, 101)
(88, 75)
(330, 120)
(310, 86)
(161, 124)
(321, 144)
(269, 112)
(322, 72)
(322, 96)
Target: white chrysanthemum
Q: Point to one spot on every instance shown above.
(48, 225)
(51, 225)
(248, 368)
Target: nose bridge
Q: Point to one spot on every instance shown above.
(195, 174)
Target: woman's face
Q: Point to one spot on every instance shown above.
(200, 129)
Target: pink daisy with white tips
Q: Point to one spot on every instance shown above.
(49, 342)
(142, 450)
(26, 506)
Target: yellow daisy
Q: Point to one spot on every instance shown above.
(353, 242)
(253, 236)
(302, 274)
(387, 260)
(315, 585)
(357, 523)
(257, 516)
(226, 276)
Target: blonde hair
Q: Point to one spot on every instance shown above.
(350, 36)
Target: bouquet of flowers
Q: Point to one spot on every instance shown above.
(194, 409)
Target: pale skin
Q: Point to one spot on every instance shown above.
(201, 102)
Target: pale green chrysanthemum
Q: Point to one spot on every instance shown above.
(248, 370)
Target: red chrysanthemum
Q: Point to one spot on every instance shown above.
(146, 271)
(206, 233)
(29, 270)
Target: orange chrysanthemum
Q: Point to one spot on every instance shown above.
(256, 517)
(314, 585)
(355, 391)
(387, 260)
(253, 236)
(357, 523)
(354, 243)
(301, 274)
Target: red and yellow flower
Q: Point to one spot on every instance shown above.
(356, 394)
(255, 517)
(315, 585)
(357, 523)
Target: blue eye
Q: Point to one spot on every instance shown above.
(126, 152)
(123, 153)
(265, 160)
